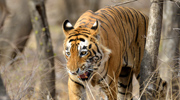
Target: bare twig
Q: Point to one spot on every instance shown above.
(126, 2)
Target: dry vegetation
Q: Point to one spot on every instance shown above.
(21, 78)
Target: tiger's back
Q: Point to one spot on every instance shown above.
(120, 26)
(121, 33)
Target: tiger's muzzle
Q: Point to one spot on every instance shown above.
(83, 73)
(85, 76)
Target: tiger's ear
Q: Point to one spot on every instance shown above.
(67, 26)
(95, 28)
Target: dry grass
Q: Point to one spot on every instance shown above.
(22, 78)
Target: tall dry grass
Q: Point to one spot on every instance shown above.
(22, 77)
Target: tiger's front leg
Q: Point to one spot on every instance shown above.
(75, 89)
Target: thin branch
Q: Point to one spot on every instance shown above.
(126, 2)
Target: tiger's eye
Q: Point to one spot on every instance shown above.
(83, 67)
(83, 53)
(68, 53)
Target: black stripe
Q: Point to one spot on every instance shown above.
(95, 68)
(108, 20)
(90, 46)
(102, 23)
(77, 35)
(164, 84)
(110, 82)
(96, 58)
(104, 11)
(136, 15)
(83, 23)
(139, 54)
(127, 31)
(138, 76)
(82, 29)
(121, 24)
(90, 54)
(90, 11)
(72, 40)
(76, 82)
(144, 19)
(94, 52)
(128, 17)
(121, 93)
(103, 77)
(82, 19)
(132, 18)
(98, 49)
(93, 18)
(100, 57)
(159, 83)
(115, 18)
(122, 85)
(123, 14)
(137, 34)
(123, 75)
(99, 64)
(81, 39)
(126, 58)
(85, 33)
(124, 35)
(106, 34)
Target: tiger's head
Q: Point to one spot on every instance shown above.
(83, 51)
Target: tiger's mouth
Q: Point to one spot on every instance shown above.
(85, 76)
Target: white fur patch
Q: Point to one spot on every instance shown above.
(68, 44)
(69, 24)
(81, 44)
(95, 24)
(105, 57)
(106, 54)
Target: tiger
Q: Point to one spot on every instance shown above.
(105, 49)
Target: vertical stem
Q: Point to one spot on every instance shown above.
(149, 61)
(3, 12)
(44, 46)
(169, 66)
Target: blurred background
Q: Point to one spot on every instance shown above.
(21, 78)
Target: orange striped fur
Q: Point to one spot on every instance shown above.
(105, 48)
